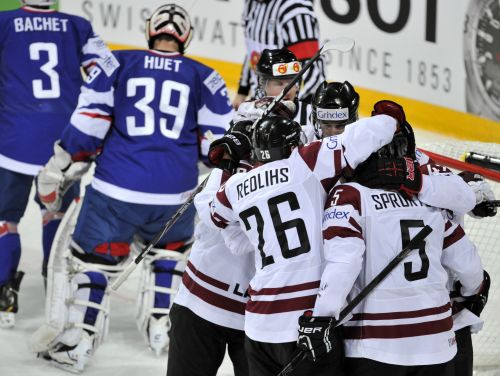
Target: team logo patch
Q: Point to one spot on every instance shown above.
(283, 69)
(214, 82)
(331, 114)
(331, 142)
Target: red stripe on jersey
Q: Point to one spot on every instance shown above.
(4, 229)
(309, 153)
(221, 196)
(355, 224)
(211, 297)
(205, 278)
(283, 305)
(402, 314)
(97, 116)
(218, 220)
(337, 162)
(398, 331)
(447, 225)
(454, 237)
(304, 49)
(341, 232)
(51, 197)
(83, 156)
(344, 195)
(329, 183)
(285, 289)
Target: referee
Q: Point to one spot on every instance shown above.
(276, 24)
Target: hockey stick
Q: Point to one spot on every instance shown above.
(414, 243)
(341, 44)
(131, 267)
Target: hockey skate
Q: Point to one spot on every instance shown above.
(71, 358)
(158, 334)
(8, 301)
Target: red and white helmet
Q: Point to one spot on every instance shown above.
(40, 3)
(170, 19)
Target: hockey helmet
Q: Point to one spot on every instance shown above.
(39, 3)
(334, 103)
(170, 19)
(279, 63)
(402, 144)
(274, 137)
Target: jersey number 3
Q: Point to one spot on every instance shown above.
(54, 89)
(280, 227)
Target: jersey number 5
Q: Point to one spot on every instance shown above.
(410, 275)
(280, 227)
(54, 91)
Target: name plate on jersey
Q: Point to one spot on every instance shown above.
(286, 69)
(331, 114)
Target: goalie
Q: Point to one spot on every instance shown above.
(143, 122)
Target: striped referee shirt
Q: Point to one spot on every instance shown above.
(276, 24)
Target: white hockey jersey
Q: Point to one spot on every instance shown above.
(215, 283)
(407, 319)
(279, 206)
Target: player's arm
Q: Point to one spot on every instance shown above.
(214, 109)
(203, 199)
(344, 247)
(460, 256)
(80, 142)
(442, 188)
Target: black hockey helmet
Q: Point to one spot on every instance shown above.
(334, 102)
(276, 64)
(274, 137)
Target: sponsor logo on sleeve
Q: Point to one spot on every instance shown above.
(214, 82)
(336, 214)
(331, 142)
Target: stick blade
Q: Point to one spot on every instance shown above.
(342, 44)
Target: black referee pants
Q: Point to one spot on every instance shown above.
(268, 359)
(197, 346)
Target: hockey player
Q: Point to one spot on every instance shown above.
(208, 313)
(275, 24)
(147, 122)
(404, 327)
(272, 204)
(42, 53)
(275, 69)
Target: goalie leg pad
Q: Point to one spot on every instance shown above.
(161, 274)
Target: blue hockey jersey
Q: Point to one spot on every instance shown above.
(150, 118)
(41, 55)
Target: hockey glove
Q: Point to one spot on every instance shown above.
(314, 335)
(227, 151)
(483, 193)
(477, 302)
(57, 176)
(401, 174)
(254, 109)
(389, 108)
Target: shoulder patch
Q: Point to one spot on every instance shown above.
(108, 63)
(214, 82)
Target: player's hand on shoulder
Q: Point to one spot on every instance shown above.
(483, 193)
(390, 108)
(316, 335)
(55, 178)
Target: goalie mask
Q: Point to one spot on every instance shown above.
(170, 20)
(274, 138)
(38, 3)
(334, 105)
(279, 64)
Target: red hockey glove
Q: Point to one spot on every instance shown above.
(390, 108)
